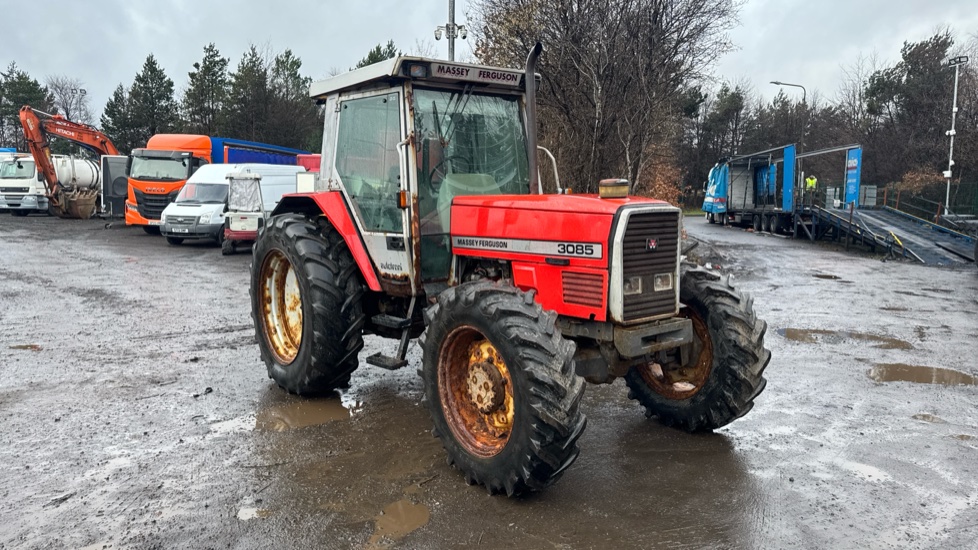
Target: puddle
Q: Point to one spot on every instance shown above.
(245, 514)
(29, 347)
(964, 437)
(826, 276)
(300, 414)
(927, 417)
(816, 336)
(899, 372)
(397, 520)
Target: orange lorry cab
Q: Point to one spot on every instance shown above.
(159, 171)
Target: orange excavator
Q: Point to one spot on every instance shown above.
(67, 199)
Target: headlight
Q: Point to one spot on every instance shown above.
(162, 218)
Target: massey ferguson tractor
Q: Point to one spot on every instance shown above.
(429, 221)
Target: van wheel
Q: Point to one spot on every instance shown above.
(174, 240)
(227, 247)
(20, 213)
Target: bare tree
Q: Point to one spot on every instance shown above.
(70, 98)
(614, 72)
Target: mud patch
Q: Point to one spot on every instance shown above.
(300, 414)
(27, 347)
(900, 372)
(397, 521)
(826, 276)
(964, 437)
(817, 336)
(927, 417)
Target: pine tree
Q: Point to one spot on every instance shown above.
(294, 118)
(247, 112)
(19, 89)
(118, 123)
(154, 111)
(207, 93)
(378, 54)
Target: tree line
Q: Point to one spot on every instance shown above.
(626, 92)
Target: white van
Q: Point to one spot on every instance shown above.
(198, 211)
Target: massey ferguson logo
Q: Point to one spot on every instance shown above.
(651, 244)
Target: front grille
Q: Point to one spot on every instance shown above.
(181, 220)
(586, 289)
(14, 189)
(639, 260)
(151, 205)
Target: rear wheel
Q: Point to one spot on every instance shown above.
(723, 370)
(757, 224)
(775, 224)
(306, 304)
(174, 240)
(500, 386)
(227, 247)
(711, 218)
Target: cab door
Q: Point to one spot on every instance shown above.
(370, 164)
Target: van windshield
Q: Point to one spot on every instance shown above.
(203, 193)
(16, 169)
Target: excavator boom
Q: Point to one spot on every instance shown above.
(38, 125)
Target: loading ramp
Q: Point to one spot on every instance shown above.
(893, 231)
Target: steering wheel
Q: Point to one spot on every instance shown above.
(440, 168)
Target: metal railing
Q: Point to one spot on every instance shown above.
(932, 211)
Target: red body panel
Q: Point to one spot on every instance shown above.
(579, 288)
(240, 235)
(332, 205)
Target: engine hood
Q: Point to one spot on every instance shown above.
(583, 204)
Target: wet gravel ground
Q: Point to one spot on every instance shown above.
(135, 413)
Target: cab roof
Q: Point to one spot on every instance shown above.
(402, 68)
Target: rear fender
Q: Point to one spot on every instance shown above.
(331, 205)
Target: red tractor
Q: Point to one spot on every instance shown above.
(429, 222)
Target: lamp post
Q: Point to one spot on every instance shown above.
(804, 101)
(955, 62)
(451, 30)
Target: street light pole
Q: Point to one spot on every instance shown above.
(451, 30)
(956, 63)
(801, 143)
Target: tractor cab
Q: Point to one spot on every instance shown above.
(403, 137)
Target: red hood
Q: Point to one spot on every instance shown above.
(583, 204)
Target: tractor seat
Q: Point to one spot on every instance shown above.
(455, 185)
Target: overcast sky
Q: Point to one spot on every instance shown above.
(104, 42)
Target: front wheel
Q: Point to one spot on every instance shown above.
(174, 240)
(723, 370)
(306, 299)
(151, 229)
(500, 385)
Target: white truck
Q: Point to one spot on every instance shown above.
(21, 187)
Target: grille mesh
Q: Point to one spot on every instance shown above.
(584, 289)
(639, 261)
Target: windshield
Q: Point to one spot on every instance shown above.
(473, 134)
(16, 169)
(157, 169)
(468, 144)
(203, 193)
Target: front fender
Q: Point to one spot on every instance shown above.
(332, 205)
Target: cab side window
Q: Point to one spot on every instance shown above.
(368, 161)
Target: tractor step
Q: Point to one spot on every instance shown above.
(386, 361)
(390, 321)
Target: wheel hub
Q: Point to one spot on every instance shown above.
(486, 387)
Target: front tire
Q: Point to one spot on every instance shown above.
(174, 240)
(723, 375)
(227, 247)
(306, 305)
(151, 229)
(20, 213)
(500, 385)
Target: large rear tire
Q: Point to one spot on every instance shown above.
(723, 373)
(306, 304)
(500, 385)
